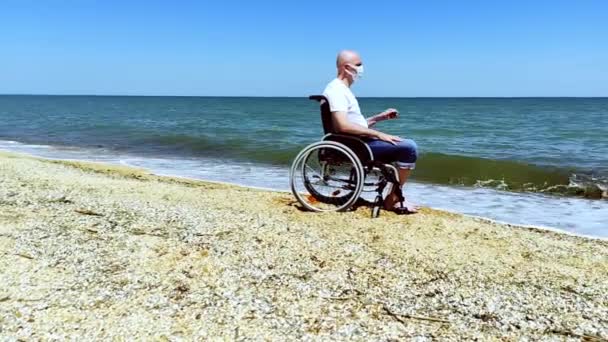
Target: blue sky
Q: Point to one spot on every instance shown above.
(272, 48)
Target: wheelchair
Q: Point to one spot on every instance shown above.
(332, 174)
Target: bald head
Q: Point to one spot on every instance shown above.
(349, 66)
(347, 57)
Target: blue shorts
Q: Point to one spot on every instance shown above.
(404, 153)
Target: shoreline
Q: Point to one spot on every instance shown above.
(97, 251)
(152, 173)
(477, 217)
(565, 188)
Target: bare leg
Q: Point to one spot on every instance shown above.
(392, 198)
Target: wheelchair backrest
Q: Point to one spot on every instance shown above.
(328, 126)
(355, 143)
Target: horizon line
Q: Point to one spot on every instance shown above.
(297, 97)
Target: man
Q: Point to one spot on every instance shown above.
(347, 119)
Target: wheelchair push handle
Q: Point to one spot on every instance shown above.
(318, 98)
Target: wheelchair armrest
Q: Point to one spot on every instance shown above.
(345, 136)
(359, 147)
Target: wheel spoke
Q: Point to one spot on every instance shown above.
(316, 174)
(321, 183)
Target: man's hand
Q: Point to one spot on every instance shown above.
(388, 138)
(388, 114)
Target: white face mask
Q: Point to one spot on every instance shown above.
(358, 72)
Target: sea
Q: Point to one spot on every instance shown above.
(526, 161)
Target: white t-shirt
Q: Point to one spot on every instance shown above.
(341, 99)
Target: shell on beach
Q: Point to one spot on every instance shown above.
(93, 252)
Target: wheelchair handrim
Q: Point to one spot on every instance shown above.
(303, 156)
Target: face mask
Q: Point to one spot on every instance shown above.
(358, 72)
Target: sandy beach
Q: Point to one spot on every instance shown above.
(92, 251)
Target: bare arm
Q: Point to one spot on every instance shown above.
(388, 114)
(342, 125)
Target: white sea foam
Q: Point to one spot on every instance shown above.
(574, 215)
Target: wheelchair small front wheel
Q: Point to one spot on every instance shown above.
(377, 205)
(375, 212)
(327, 176)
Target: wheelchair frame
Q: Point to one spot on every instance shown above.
(359, 153)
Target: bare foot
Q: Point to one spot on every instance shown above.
(392, 203)
(412, 208)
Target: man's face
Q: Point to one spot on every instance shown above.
(351, 66)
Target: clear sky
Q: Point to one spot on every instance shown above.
(287, 48)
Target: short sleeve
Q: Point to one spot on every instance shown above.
(337, 99)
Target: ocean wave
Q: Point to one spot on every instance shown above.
(511, 175)
(432, 167)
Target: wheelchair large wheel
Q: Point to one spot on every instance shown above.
(326, 176)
